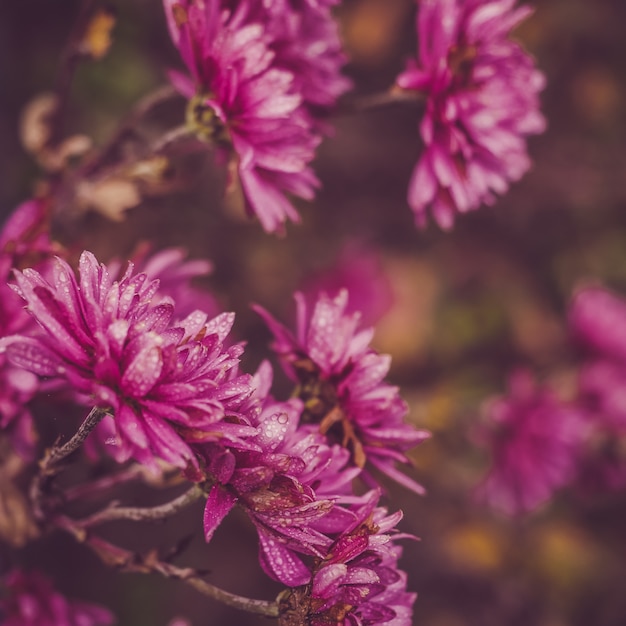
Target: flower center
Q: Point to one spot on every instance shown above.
(322, 406)
(203, 120)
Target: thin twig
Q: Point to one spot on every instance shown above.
(91, 421)
(57, 453)
(106, 482)
(128, 126)
(380, 100)
(138, 514)
(131, 562)
(170, 137)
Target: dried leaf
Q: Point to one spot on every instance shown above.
(111, 197)
(98, 39)
(35, 122)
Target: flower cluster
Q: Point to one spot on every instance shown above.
(259, 72)
(481, 92)
(175, 393)
(540, 442)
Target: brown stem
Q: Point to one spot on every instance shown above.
(170, 137)
(131, 562)
(91, 421)
(139, 111)
(106, 482)
(57, 453)
(138, 514)
(395, 95)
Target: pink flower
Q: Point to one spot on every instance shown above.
(306, 42)
(358, 581)
(246, 103)
(175, 275)
(24, 238)
(167, 385)
(481, 91)
(536, 442)
(289, 481)
(341, 384)
(32, 601)
(359, 270)
(598, 323)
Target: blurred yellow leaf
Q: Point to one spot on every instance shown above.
(474, 546)
(97, 39)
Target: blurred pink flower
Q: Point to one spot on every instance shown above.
(481, 91)
(341, 384)
(246, 103)
(30, 600)
(168, 385)
(175, 274)
(358, 270)
(24, 239)
(536, 442)
(597, 320)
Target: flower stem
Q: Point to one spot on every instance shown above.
(128, 127)
(83, 490)
(392, 96)
(126, 561)
(57, 453)
(149, 514)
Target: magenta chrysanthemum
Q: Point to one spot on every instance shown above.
(166, 384)
(288, 480)
(30, 600)
(358, 582)
(341, 383)
(306, 42)
(536, 442)
(481, 92)
(243, 101)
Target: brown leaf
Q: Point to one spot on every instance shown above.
(111, 197)
(35, 122)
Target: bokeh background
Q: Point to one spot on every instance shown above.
(468, 306)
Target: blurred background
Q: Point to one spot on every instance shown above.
(464, 308)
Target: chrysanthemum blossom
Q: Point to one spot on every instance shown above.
(306, 42)
(167, 385)
(29, 599)
(536, 441)
(597, 320)
(358, 581)
(481, 90)
(341, 382)
(23, 239)
(289, 481)
(245, 104)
